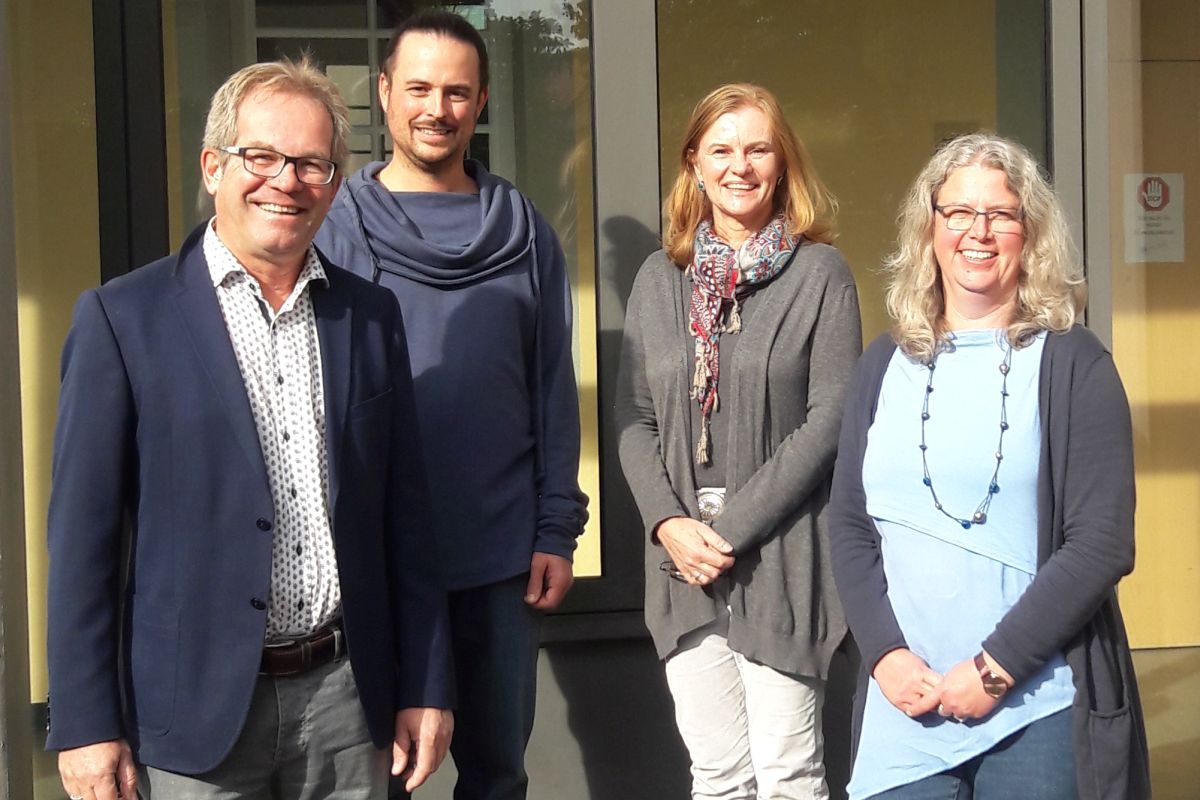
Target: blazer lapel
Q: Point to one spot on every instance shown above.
(201, 314)
(331, 306)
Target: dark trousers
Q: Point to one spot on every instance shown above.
(496, 639)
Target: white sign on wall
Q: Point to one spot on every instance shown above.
(1154, 217)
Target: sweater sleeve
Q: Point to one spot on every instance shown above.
(855, 544)
(1097, 490)
(804, 459)
(561, 506)
(639, 444)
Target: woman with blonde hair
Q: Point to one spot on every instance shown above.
(979, 530)
(740, 337)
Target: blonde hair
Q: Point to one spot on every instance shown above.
(1051, 290)
(301, 77)
(807, 205)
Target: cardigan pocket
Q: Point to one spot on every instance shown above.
(1110, 734)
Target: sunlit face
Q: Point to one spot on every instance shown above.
(270, 222)
(740, 165)
(432, 99)
(978, 264)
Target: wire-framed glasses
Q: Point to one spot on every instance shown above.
(999, 220)
(267, 163)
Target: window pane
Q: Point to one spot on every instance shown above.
(870, 101)
(535, 130)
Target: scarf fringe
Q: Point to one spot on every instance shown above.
(702, 445)
(734, 324)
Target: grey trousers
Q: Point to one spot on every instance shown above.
(305, 738)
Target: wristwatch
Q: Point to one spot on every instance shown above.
(993, 684)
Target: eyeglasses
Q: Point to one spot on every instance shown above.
(669, 567)
(998, 220)
(266, 163)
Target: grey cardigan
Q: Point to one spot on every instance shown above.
(1085, 544)
(783, 403)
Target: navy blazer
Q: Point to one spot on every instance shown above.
(160, 643)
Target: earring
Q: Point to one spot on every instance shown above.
(700, 185)
(779, 181)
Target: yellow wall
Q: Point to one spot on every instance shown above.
(57, 242)
(1154, 106)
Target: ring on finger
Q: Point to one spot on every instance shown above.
(698, 575)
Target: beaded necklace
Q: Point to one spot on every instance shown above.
(980, 515)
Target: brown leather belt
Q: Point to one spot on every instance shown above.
(298, 656)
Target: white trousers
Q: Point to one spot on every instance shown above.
(752, 733)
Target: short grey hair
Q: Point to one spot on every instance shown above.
(301, 77)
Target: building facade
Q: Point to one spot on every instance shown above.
(101, 115)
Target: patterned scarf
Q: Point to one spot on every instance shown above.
(721, 277)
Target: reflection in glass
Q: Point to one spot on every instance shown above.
(535, 130)
(871, 100)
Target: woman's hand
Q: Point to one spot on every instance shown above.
(963, 696)
(907, 682)
(699, 552)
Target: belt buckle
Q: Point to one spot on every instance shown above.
(339, 643)
(711, 501)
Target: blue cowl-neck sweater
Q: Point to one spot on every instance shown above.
(482, 284)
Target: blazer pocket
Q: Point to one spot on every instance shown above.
(153, 660)
(372, 405)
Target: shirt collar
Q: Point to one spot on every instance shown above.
(222, 263)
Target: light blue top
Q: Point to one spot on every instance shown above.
(948, 586)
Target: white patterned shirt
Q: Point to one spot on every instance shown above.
(279, 356)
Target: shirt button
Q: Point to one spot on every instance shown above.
(263, 524)
(259, 605)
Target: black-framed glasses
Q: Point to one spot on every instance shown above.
(267, 163)
(998, 220)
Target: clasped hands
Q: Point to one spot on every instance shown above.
(910, 685)
(698, 552)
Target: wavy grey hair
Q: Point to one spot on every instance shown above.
(1051, 290)
(301, 77)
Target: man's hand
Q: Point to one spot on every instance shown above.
(100, 771)
(422, 738)
(549, 579)
(699, 552)
(907, 682)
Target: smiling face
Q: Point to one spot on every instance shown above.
(268, 223)
(979, 268)
(740, 165)
(432, 100)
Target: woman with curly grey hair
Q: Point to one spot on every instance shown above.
(979, 530)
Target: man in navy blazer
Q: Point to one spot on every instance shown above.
(244, 599)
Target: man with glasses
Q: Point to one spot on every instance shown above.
(271, 622)
(481, 279)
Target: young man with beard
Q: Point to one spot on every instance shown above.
(481, 280)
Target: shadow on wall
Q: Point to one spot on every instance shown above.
(605, 708)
